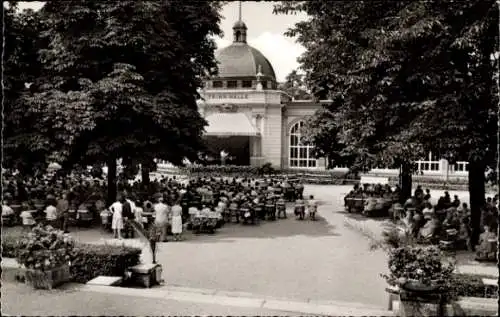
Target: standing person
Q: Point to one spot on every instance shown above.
(312, 207)
(27, 219)
(63, 212)
(117, 220)
(161, 218)
(51, 213)
(177, 221)
(138, 213)
(8, 214)
(128, 214)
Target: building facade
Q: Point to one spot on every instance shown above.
(243, 103)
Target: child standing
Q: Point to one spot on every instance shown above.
(299, 209)
(27, 220)
(312, 207)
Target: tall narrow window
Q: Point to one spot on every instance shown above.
(300, 155)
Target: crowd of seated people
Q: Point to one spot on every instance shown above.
(156, 204)
(448, 222)
(371, 199)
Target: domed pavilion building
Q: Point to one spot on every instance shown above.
(248, 117)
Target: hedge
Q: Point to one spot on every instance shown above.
(465, 285)
(92, 260)
(9, 245)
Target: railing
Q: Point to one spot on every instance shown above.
(428, 166)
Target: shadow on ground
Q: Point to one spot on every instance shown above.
(360, 217)
(228, 233)
(266, 230)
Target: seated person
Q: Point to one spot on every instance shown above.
(418, 221)
(299, 208)
(281, 206)
(487, 244)
(381, 203)
(410, 203)
(427, 196)
(464, 233)
(428, 210)
(397, 211)
(456, 202)
(430, 228)
(205, 211)
(370, 204)
(452, 219)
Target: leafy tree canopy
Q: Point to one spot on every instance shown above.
(407, 74)
(24, 147)
(295, 86)
(120, 79)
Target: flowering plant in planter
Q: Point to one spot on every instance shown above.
(45, 248)
(418, 264)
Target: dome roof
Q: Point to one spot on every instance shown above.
(241, 60)
(239, 24)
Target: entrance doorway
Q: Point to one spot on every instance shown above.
(237, 148)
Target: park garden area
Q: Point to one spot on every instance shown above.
(414, 78)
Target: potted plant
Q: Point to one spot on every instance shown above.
(46, 254)
(421, 274)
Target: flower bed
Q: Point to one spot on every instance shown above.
(87, 260)
(45, 252)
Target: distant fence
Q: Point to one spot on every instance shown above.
(310, 177)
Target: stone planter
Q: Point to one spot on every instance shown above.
(418, 299)
(48, 279)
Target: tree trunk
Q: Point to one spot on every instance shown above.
(145, 174)
(111, 181)
(405, 181)
(477, 197)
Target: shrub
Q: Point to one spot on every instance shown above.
(466, 286)
(44, 248)
(424, 264)
(10, 245)
(92, 260)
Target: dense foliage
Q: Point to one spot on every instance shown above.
(422, 263)
(117, 80)
(25, 139)
(406, 78)
(295, 86)
(44, 249)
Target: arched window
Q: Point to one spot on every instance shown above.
(300, 155)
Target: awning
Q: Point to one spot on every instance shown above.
(230, 124)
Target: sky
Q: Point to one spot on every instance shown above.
(265, 32)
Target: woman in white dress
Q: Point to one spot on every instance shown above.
(117, 221)
(177, 221)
